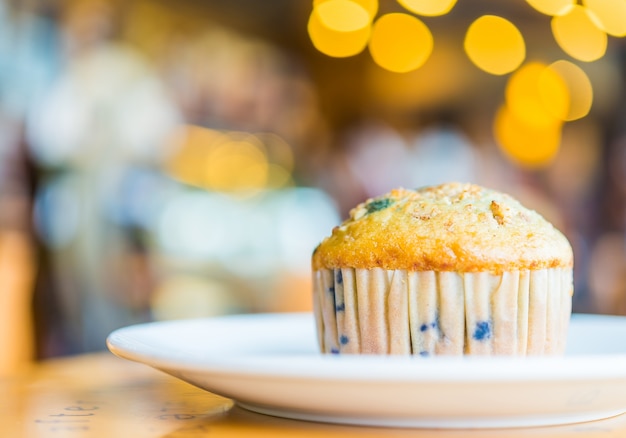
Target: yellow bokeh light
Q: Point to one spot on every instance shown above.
(494, 45)
(371, 6)
(436, 81)
(610, 14)
(577, 34)
(527, 145)
(192, 144)
(334, 43)
(553, 93)
(551, 7)
(579, 87)
(236, 164)
(400, 42)
(537, 95)
(342, 15)
(430, 8)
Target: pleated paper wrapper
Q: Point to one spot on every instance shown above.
(377, 311)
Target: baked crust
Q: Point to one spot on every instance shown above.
(450, 227)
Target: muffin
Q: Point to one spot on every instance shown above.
(454, 269)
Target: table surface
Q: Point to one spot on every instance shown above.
(100, 395)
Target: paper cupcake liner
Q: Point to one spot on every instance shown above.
(375, 311)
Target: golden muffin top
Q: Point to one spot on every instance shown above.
(450, 227)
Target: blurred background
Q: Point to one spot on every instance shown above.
(163, 160)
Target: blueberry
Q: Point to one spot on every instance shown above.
(482, 332)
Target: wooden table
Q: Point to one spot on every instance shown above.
(101, 395)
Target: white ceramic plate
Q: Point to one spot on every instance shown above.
(269, 363)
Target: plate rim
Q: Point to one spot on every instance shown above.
(125, 343)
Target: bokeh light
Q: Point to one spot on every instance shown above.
(494, 45)
(236, 164)
(537, 96)
(579, 88)
(342, 15)
(371, 6)
(551, 7)
(611, 15)
(437, 80)
(430, 8)
(233, 162)
(400, 42)
(528, 126)
(191, 143)
(527, 145)
(335, 43)
(577, 34)
(553, 93)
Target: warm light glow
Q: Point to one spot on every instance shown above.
(527, 145)
(610, 14)
(430, 8)
(342, 15)
(236, 165)
(553, 93)
(578, 36)
(235, 162)
(579, 87)
(551, 7)
(334, 43)
(400, 42)
(536, 95)
(371, 6)
(192, 144)
(436, 81)
(494, 45)
(17, 278)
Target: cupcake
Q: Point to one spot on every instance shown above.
(454, 269)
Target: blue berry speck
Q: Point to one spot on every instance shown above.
(339, 276)
(482, 332)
